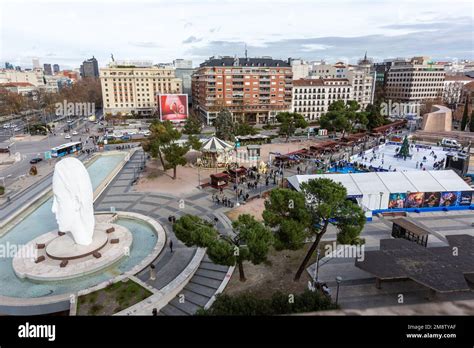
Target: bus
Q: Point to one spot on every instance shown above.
(66, 149)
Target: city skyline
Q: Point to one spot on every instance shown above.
(199, 29)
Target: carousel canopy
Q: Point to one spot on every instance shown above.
(216, 145)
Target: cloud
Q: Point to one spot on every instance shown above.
(144, 44)
(314, 47)
(454, 40)
(192, 39)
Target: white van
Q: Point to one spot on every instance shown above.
(450, 143)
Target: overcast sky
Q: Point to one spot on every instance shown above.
(67, 32)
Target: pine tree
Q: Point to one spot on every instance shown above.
(404, 149)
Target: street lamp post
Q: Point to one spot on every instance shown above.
(316, 271)
(380, 202)
(338, 281)
(199, 177)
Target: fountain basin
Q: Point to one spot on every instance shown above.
(59, 258)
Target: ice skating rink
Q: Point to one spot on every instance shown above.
(384, 157)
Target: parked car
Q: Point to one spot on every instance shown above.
(36, 160)
(67, 136)
(451, 143)
(74, 133)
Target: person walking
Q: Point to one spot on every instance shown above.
(171, 245)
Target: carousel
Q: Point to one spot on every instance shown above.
(215, 153)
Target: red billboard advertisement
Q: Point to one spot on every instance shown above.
(173, 107)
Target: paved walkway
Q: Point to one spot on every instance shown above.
(120, 196)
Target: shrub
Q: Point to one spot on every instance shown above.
(2, 190)
(248, 304)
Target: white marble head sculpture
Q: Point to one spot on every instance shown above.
(73, 200)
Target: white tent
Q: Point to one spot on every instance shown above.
(216, 145)
(372, 190)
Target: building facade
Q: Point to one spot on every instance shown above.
(48, 70)
(300, 69)
(34, 77)
(312, 97)
(453, 86)
(184, 71)
(132, 87)
(415, 80)
(254, 90)
(90, 68)
(56, 68)
(360, 76)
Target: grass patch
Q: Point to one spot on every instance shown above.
(112, 299)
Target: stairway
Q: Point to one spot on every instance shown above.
(197, 293)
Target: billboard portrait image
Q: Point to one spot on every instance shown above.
(465, 198)
(431, 199)
(396, 200)
(173, 107)
(448, 199)
(414, 200)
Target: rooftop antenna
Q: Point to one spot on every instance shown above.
(246, 52)
(112, 57)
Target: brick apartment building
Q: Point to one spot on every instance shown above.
(254, 90)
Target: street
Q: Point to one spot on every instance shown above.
(32, 149)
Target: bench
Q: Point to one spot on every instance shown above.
(96, 254)
(63, 263)
(110, 230)
(61, 233)
(394, 214)
(114, 241)
(40, 259)
(40, 246)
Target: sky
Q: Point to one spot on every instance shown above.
(67, 32)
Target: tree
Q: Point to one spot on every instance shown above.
(193, 125)
(327, 201)
(174, 156)
(243, 128)
(404, 151)
(12, 103)
(343, 117)
(290, 122)
(194, 231)
(194, 142)
(250, 241)
(225, 128)
(285, 212)
(374, 117)
(465, 115)
(163, 135)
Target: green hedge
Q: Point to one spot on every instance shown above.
(248, 304)
(2, 190)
